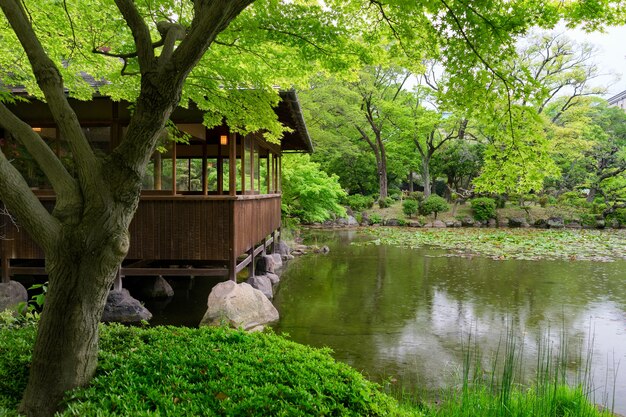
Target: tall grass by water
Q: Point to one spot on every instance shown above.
(560, 386)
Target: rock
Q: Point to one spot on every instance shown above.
(518, 222)
(555, 223)
(278, 260)
(297, 252)
(157, 288)
(467, 222)
(503, 222)
(122, 308)
(352, 221)
(282, 248)
(365, 219)
(325, 249)
(492, 223)
(263, 284)
(342, 222)
(615, 224)
(238, 305)
(392, 222)
(449, 223)
(12, 293)
(265, 264)
(414, 223)
(287, 257)
(428, 225)
(439, 224)
(274, 279)
(541, 224)
(457, 223)
(600, 224)
(573, 225)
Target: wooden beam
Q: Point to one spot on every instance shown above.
(232, 256)
(243, 165)
(252, 165)
(205, 185)
(174, 168)
(267, 174)
(177, 272)
(220, 169)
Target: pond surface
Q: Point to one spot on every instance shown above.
(405, 313)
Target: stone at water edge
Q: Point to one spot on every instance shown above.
(12, 293)
(282, 248)
(278, 260)
(263, 284)
(555, 223)
(439, 224)
(274, 279)
(158, 288)
(265, 264)
(122, 308)
(238, 305)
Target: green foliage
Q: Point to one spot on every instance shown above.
(385, 202)
(573, 199)
(416, 195)
(434, 204)
(375, 218)
(309, 194)
(205, 371)
(359, 202)
(409, 207)
(483, 208)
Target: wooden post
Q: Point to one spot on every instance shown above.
(205, 185)
(243, 165)
(117, 284)
(265, 246)
(267, 174)
(6, 276)
(232, 164)
(273, 250)
(251, 266)
(232, 256)
(280, 174)
(220, 169)
(252, 165)
(174, 168)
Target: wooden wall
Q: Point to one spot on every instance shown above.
(254, 220)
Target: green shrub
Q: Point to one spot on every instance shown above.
(385, 202)
(375, 218)
(416, 195)
(174, 371)
(573, 199)
(409, 207)
(483, 208)
(359, 202)
(434, 204)
(587, 219)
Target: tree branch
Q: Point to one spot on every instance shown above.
(62, 182)
(50, 81)
(15, 193)
(141, 34)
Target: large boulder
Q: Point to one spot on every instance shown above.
(274, 279)
(467, 222)
(573, 225)
(555, 223)
(282, 248)
(352, 221)
(263, 284)
(439, 224)
(278, 260)
(12, 293)
(122, 308)
(238, 305)
(157, 288)
(518, 222)
(265, 264)
(392, 222)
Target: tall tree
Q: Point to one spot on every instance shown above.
(146, 51)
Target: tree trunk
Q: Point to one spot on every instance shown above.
(426, 176)
(411, 189)
(592, 194)
(80, 273)
(382, 179)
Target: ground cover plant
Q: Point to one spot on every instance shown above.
(202, 372)
(524, 244)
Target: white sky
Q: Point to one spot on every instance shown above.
(611, 58)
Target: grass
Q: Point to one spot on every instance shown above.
(501, 244)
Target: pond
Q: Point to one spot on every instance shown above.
(403, 315)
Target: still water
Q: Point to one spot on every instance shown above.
(404, 314)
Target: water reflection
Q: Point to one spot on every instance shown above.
(402, 313)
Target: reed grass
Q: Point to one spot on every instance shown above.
(500, 389)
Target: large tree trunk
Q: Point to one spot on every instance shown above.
(382, 179)
(426, 176)
(80, 273)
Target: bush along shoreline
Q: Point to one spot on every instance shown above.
(216, 371)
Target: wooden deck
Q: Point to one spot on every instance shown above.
(209, 234)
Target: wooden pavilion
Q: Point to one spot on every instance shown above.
(209, 205)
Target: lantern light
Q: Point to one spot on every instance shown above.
(223, 140)
(36, 129)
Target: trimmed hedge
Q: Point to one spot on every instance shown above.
(483, 208)
(177, 371)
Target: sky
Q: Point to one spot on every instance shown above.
(611, 58)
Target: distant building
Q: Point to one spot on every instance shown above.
(618, 100)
